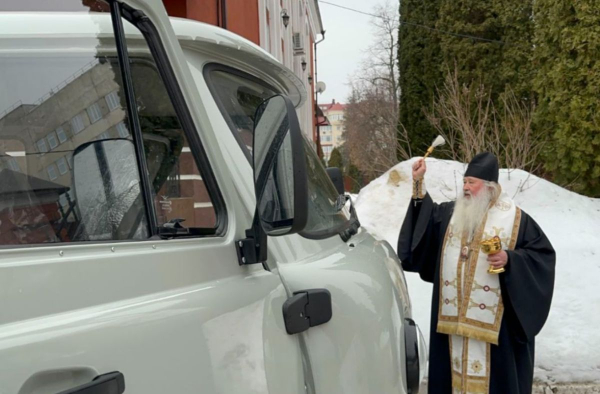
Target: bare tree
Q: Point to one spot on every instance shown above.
(370, 136)
(470, 123)
(371, 117)
(462, 114)
(517, 140)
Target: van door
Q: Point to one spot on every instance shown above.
(118, 265)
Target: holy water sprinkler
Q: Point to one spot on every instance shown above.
(439, 141)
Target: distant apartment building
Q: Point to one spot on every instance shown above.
(287, 29)
(332, 130)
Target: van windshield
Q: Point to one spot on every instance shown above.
(238, 95)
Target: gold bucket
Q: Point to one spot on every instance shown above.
(492, 246)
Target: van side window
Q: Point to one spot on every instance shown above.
(177, 183)
(68, 166)
(238, 97)
(40, 95)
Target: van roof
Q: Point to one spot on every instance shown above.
(22, 29)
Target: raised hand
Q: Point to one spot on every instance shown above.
(418, 169)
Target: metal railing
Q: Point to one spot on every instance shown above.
(67, 81)
(11, 108)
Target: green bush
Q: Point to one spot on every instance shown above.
(357, 178)
(419, 62)
(335, 159)
(567, 50)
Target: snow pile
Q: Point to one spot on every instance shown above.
(568, 348)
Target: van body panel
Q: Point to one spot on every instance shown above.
(169, 320)
(182, 315)
(365, 335)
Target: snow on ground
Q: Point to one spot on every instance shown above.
(568, 348)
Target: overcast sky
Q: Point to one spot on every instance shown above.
(347, 36)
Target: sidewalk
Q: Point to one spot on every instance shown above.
(544, 388)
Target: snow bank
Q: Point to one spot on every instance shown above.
(568, 348)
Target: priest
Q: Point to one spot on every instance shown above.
(486, 308)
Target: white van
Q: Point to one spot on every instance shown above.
(134, 256)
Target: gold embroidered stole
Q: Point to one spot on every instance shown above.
(470, 303)
(471, 361)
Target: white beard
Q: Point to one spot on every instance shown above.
(469, 212)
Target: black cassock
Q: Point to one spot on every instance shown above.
(526, 287)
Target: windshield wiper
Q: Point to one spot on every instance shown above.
(354, 225)
(340, 202)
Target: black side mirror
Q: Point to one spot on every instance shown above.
(279, 168)
(337, 178)
(280, 180)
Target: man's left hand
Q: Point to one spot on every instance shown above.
(498, 260)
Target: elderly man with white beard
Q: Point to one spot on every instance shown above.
(486, 308)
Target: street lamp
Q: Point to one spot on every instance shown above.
(310, 79)
(285, 17)
(303, 64)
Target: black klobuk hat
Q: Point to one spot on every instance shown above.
(484, 166)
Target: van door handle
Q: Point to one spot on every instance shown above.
(307, 308)
(110, 383)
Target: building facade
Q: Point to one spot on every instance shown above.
(287, 29)
(332, 130)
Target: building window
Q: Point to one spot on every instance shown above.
(94, 113)
(122, 130)
(62, 166)
(52, 172)
(41, 144)
(103, 136)
(77, 124)
(112, 100)
(52, 141)
(326, 138)
(62, 135)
